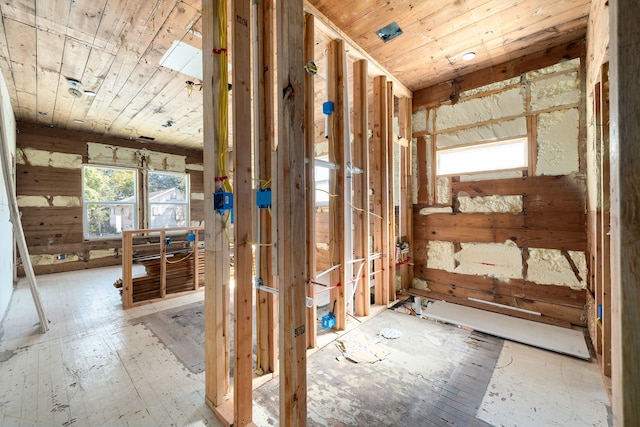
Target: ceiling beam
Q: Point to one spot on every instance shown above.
(324, 25)
(450, 90)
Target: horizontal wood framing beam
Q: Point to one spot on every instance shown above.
(450, 90)
(527, 186)
(324, 25)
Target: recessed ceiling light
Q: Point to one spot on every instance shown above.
(389, 32)
(469, 56)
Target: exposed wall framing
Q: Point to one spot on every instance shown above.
(535, 217)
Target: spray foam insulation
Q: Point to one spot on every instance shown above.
(505, 129)
(487, 204)
(32, 157)
(499, 260)
(558, 142)
(432, 210)
(572, 64)
(490, 87)
(551, 267)
(47, 202)
(490, 176)
(555, 91)
(440, 255)
(419, 122)
(495, 106)
(444, 191)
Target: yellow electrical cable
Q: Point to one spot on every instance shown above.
(181, 259)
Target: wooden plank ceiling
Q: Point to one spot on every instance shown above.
(114, 48)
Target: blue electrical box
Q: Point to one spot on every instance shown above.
(191, 237)
(328, 320)
(222, 201)
(263, 198)
(327, 108)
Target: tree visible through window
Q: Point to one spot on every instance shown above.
(109, 201)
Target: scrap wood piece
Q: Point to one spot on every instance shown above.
(359, 350)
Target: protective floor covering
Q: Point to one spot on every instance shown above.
(555, 390)
(434, 375)
(548, 337)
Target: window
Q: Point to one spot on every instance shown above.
(109, 201)
(321, 174)
(168, 199)
(486, 157)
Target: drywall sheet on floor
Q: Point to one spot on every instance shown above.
(548, 337)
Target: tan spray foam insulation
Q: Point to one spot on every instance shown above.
(197, 196)
(440, 255)
(414, 169)
(572, 64)
(563, 89)
(43, 202)
(490, 87)
(490, 175)
(123, 156)
(103, 253)
(499, 260)
(194, 166)
(444, 191)
(420, 284)
(433, 210)
(504, 104)
(487, 204)
(550, 267)
(321, 148)
(32, 157)
(500, 130)
(419, 121)
(558, 142)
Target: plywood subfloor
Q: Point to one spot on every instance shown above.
(548, 337)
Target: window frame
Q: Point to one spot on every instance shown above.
(462, 147)
(85, 203)
(186, 203)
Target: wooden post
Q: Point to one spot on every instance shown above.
(312, 312)
(267, 322)
(243, 215)
(361, 185)
(423, 180)
(337, 184)
(625, 198)
(406, 187)
(605, 236)
(291, 218)
(127, 272)
(391, 209)
(216, 299)
(163, 264)
(380, 155)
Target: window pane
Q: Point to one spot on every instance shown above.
(167, 185)
(482, 158)
(168, 200)
(168, 216)
(109, 201)
(109, 184)
(108, 220)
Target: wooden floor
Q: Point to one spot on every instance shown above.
(99, 365)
